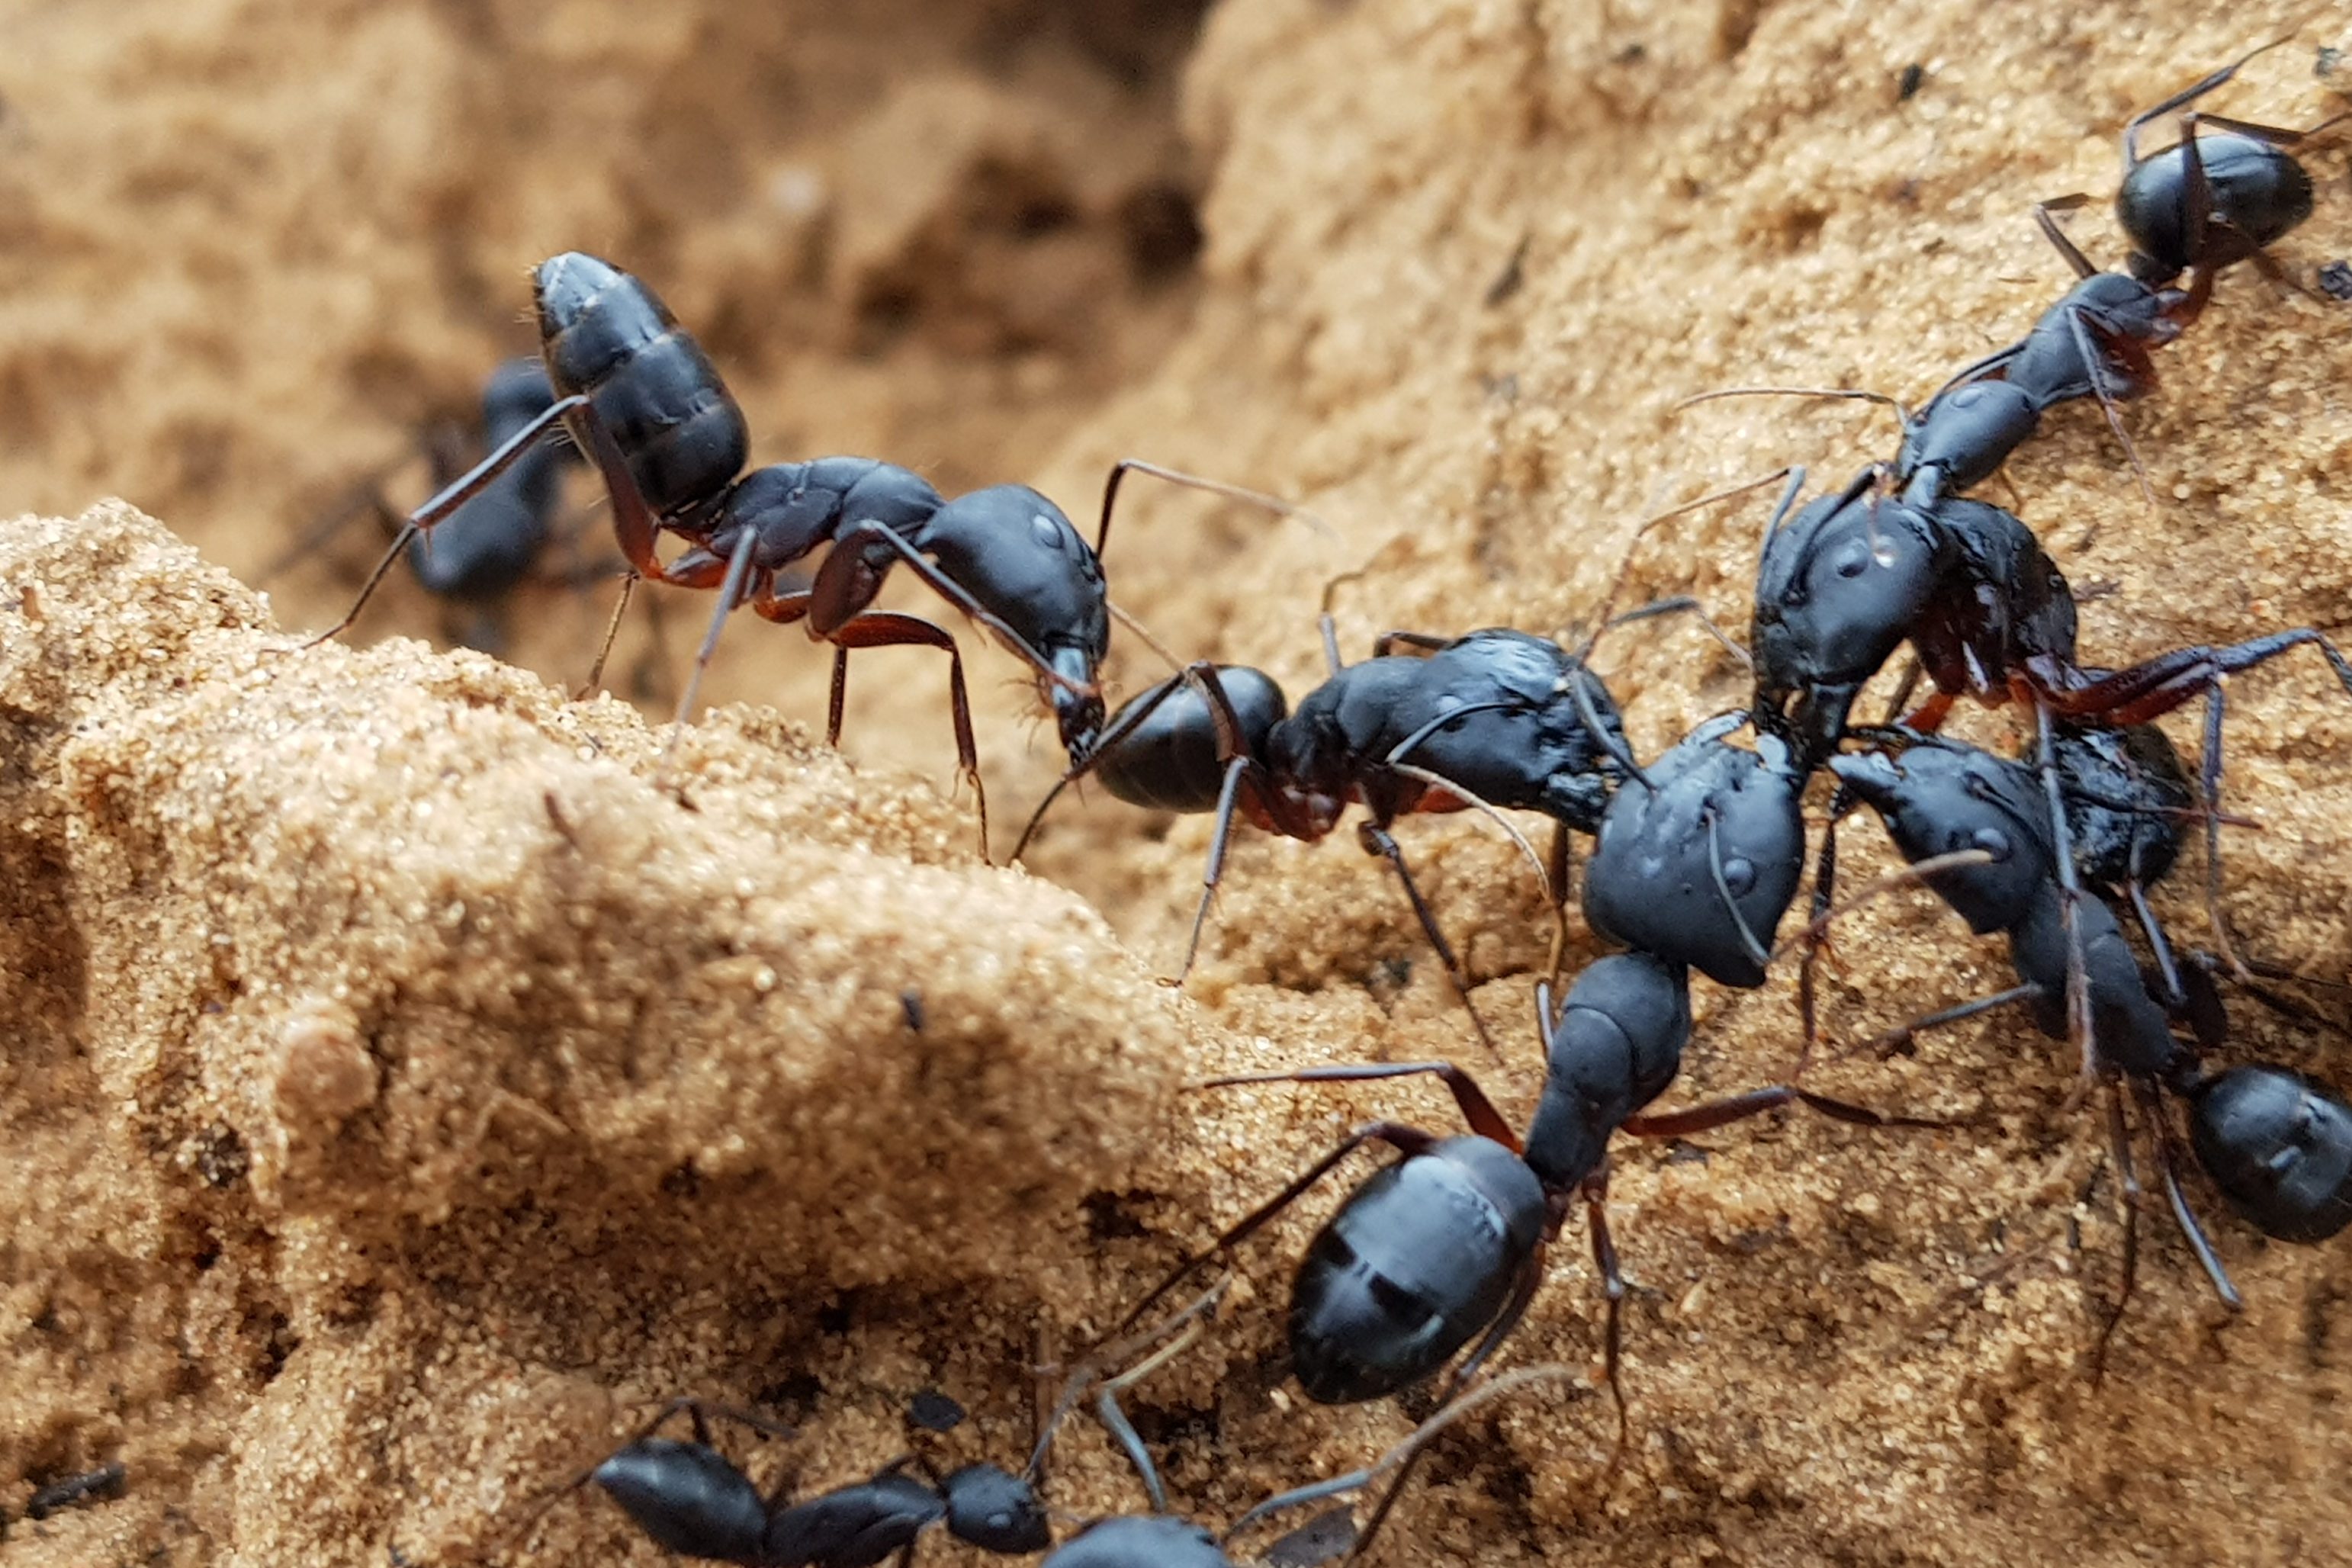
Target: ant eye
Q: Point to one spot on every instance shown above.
(1739, 876)
(1851, 562)
(1991, 840)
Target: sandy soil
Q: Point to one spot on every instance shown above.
(406, 1086)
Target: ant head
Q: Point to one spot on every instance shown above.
(1939, 796)
(995, 1510)
(1838, 590)
(1161, 748)
(2280, 1148)
(1698, 866)
(2121, 307)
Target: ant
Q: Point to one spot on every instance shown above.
(1446, 1245)
(2209, 201)
(643, 400)
(2278, 1146)
(487, 547)
(1140, 1540)
(1493, 719)
(692, 1500)
(2094, 343)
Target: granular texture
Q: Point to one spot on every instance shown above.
(414, 1078)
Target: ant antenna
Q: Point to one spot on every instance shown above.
(1421, 1438)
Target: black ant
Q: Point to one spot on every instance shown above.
(643, 400)
(489, 545)
(2278, 1146)
(1495, 720)
(1446, 1245)
(2209, 201)
(2094, 343)
(692, 1500)
(1988, 614)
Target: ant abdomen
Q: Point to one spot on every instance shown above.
(607, 336)
(688, 1496)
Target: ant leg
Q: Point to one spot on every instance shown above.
(1402, 1136)
(2209, 778)
(1711, 1114)
(731, 593)
(892, 628)
(1929, 716)
(1816, 934)
(424, 518)
(2095, 368)
(1895, 1040)
(2186, 96)
(1233, 754)
(1378, 841)
(2057, 237)
(595, 680)
(2120, 1131)
(837, 594)
(2155, 686)
(2160, 946)
(1594, 1190)
(1557, 872)
(1523, 1291)
(1219, 837)
(2070, 891)
(2168, 1163)
(1476, 1108)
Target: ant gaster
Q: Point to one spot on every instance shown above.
(2209, 201)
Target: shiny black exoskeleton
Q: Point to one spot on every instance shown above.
(693, 1499)
(489, 544)
(2211, 201)
(1496, 718)
(2279, 1147)
(2093, 343)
